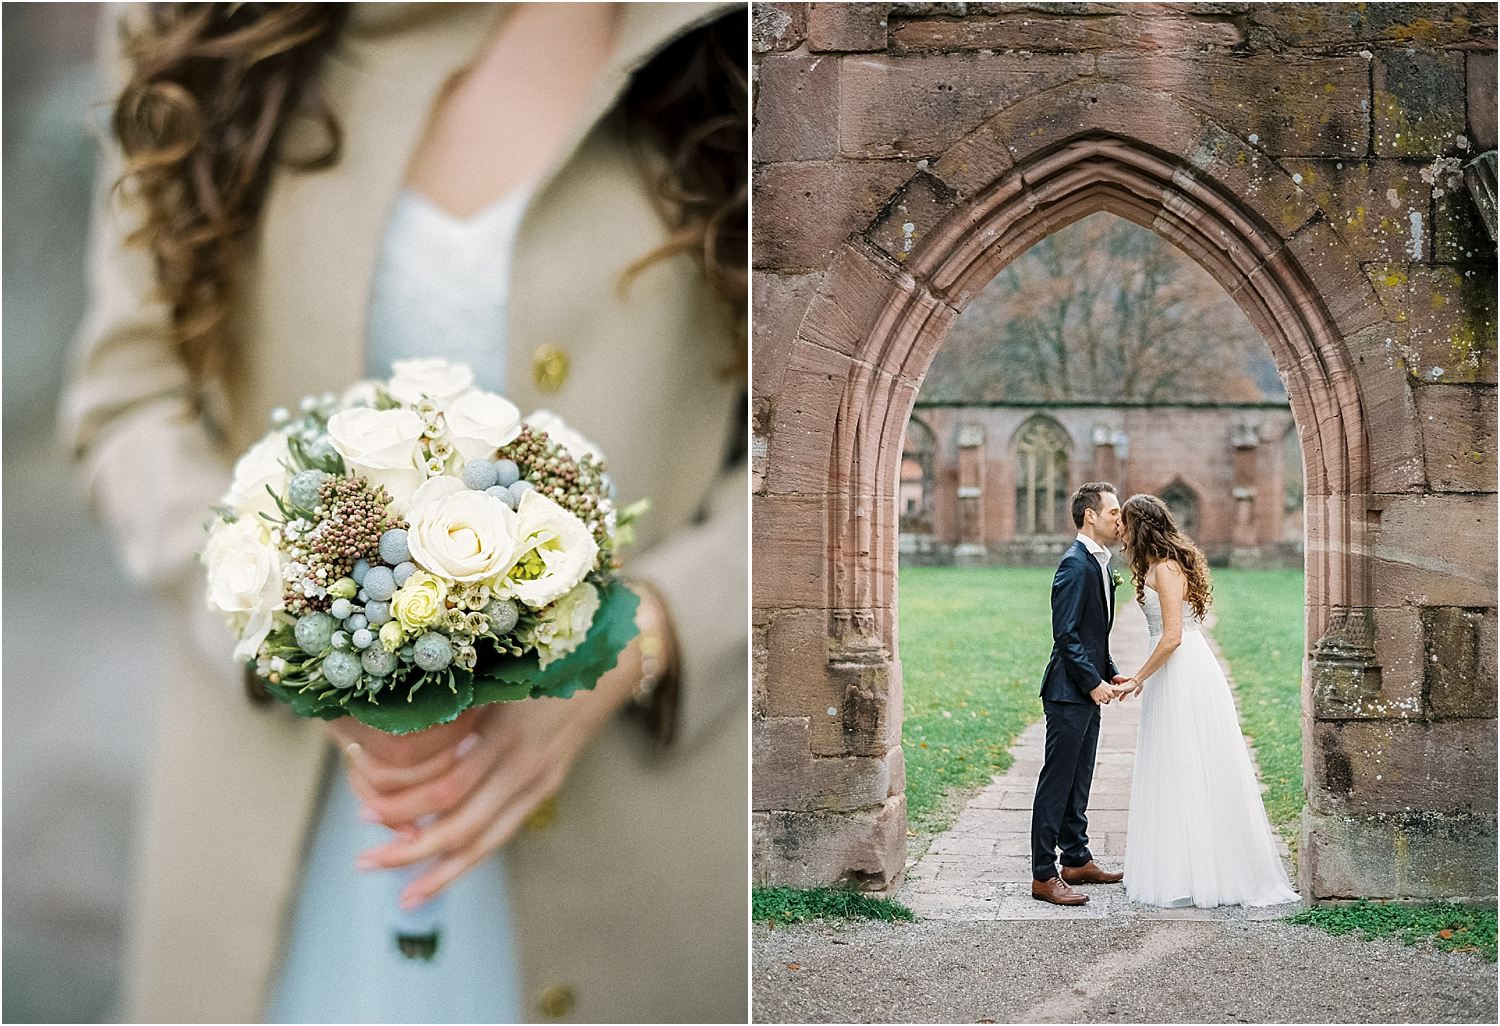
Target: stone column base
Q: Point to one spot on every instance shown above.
(865, 849)
(1424, 855)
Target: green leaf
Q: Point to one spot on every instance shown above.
(432, 703)
(612, 629)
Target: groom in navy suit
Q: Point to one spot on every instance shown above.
(1080, 678)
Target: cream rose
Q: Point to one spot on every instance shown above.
(263, 464)
(244, 580)
(556, 550)
(419, 602)
(432, 377)
(481, 422)
(460, 534)
(564, 626)
(382, 445)
(558, 430)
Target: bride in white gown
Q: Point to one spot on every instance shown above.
(1197, 832)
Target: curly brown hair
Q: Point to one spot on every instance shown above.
(1152, 535)
(213, 87)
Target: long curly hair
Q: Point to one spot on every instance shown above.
(1152, 535)
(213, 86)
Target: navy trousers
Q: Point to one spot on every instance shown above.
(1058, 819)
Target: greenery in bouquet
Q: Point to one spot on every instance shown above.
(414, 547)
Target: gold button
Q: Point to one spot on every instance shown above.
(542, 816)
(549, 365)
(556, 1001)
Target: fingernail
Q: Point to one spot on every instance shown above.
(368, 814)
(410, 902)
(364, 862)
(467, 745)
(352, 749)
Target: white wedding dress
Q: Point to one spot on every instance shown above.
(1197, 833)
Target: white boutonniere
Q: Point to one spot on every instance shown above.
(1115, 580)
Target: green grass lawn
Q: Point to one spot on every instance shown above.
(1260, 633)
(974, 642)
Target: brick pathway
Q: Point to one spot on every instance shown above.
(980, 869)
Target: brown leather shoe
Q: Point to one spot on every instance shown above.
(1057, 892)
(1089, 872)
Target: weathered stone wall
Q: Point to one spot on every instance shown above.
(1302, 154)
(1231, 456)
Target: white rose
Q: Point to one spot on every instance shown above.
(556, 551)
(563, 627)
(361, 393)
(382, 445)
(563, 435)
(429, 376)
(460, 534)
(244, 581)
(261, 465)
(481, 422)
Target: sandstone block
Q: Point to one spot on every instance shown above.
(1459, 645)
(1378, 207)
(1422, 24)
(846, 27)
(1248, 174)
(788, 777)
(1390, 410)
(1419, 102)
(778, 303)
(1362, 766)
(1286, 104)
(1397, 855)
(775, 27)
(804, 211)
(1480, 81)
(918, 106)
(796, 108)
(1431, 550)
(864, 850)
(789, 554)
(1458, 234)
(1458, 436)
(1039, 30)
(1340, 283)
(906, 221)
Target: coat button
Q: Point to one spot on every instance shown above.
(556, 1001)
(542, 816)
(549, 366)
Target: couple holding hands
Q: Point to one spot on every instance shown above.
(1197, 832)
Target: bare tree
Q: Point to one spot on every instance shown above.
(1102, 310)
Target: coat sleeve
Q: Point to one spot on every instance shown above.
(702, 574)
(1067, 609)
(149, 466)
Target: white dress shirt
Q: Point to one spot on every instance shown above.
(1100, 553)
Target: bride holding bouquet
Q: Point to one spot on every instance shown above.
(553, 196)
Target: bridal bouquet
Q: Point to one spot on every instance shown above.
(415, 547)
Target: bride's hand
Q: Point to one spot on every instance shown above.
(520, 755)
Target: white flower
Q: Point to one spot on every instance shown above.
(563, 627)
(361, 393)
(261, 466)
(244, 581)
(481, 422)
(411, 380)
(556, 550)
(563, 435)
(383, 446)
(459, 534)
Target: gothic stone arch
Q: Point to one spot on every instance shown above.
(864, 258)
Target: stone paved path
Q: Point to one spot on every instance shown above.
(980, 869)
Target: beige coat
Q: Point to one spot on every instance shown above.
(631, 905)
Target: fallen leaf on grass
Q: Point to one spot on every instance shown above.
(794, 966)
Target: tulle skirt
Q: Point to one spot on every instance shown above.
(1197, 830)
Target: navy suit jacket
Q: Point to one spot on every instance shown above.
(1081, 621)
